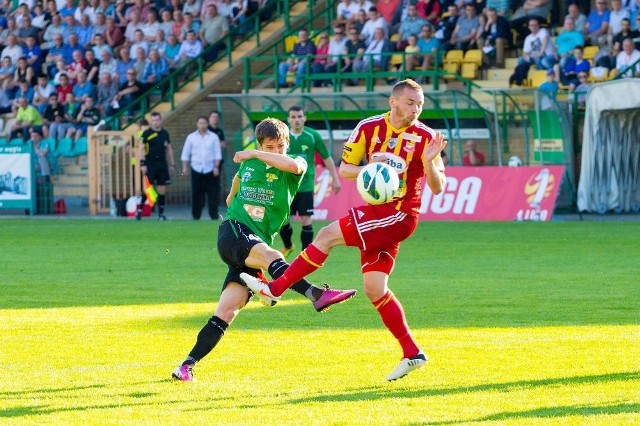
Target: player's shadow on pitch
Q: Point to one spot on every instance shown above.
(385, 392)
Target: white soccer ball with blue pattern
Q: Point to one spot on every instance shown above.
(377, 183)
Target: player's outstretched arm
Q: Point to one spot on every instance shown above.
(282, 162)
(235, 185)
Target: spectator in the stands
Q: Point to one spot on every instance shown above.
(320, 59)
(24, 90)
(92, 65)
(56, 53)
(39, 20)
(101, 24)
(123, 64)
(83, 88)
(354, 48)
(160, 42)
(53, 29)
(579, 18)
(156, 69)
(23, 73)
(429, 46)
(41, 92)
(128, 92)
(72, 45)
(530, 8)
(568, 39)
(626, 59)
(84, 31)
(140, 63)
(11, 29)
(5, 103)
(626, 32)
(64, 87)
(139, 42)
(27, 30)
(193, 7)
(447, 24)
(139, 7)
(81, 9)
(204, 5)
(579, 91)
(113, 35)
(27, 117)
(298, 62)
(106, 90)
(99, 46)
(76, 65)
(538, 47)
(387, 10)
(374, 53)
(121, 19)
(375, 21)
(190, 48)
(134, 24)
(178, 23)
(365, 5)
(33, 53)
(550, 91)
(52, 117)
(429, 10)
(501, 7)
(108, 65)
(465, 31)
(573, 66)
(107, 8)
(597, 26)
(239, 13)
(413, 56)
(189, 24)
(7, 70)
(13, 50)
(361, 18)
(337, 48)
(411, 25)
(213, 29)
(89, 115)
(496, 35)
(71, 109)
(616, 16)
(345, 12)
(151, 26)
(41, 151)
(166, 21)
(70, 26)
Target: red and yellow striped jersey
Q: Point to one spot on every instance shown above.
(403, 149)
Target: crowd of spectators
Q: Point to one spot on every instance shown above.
(369, 31)
(67, 64)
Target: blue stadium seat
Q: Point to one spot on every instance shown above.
(65, 148)
(80, 146)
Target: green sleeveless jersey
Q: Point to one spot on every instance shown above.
(264, 198)
(306, 145)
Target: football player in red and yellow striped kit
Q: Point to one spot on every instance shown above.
(413, 150)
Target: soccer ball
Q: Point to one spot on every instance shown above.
(515, 161)
(377, 183)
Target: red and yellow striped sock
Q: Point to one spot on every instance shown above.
(392, 315)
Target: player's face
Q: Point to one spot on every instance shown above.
(275, 146)
(297, 120)
(407, 107)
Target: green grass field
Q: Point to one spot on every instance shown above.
(524, 323)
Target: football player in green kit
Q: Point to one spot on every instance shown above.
(258, 205)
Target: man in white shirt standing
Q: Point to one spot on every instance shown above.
(201, 157)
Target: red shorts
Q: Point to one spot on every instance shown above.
(377, 231)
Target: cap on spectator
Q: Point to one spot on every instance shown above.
(550, 71)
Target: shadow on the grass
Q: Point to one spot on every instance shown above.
(380, 392)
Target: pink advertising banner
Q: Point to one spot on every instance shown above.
(471, 194)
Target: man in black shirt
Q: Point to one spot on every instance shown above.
(156, 158)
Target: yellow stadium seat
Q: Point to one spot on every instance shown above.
(394, 38)
(469, 70)
(538, 77)
(474, 56)
(590, 52)
(450, 68)
(289, 42)
(454, 56)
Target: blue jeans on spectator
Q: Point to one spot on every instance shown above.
(283, 68)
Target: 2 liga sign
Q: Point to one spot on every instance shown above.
(470, 194)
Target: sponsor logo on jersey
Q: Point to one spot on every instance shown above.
(392, 142)
(398, 163)
(270, 177)
(256, 212)
(409, 147)
(411, 137)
